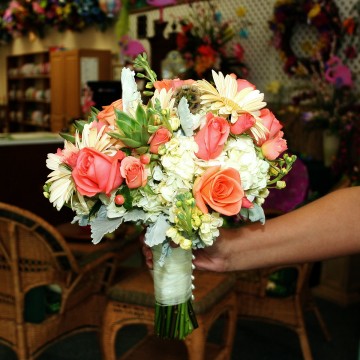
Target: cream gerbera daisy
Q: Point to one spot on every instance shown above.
(98, 140)
(227, 100)
(62, 186)
(165, 97)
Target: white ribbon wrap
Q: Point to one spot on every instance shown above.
(173, 280)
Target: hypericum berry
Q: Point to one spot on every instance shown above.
(119, 200)
(145, 159)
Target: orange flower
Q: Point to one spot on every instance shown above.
(160, 137)
(108, 113)
(349, 25)
(219, 189)
(243, 123)
(168, 84)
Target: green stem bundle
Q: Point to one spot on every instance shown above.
(175, 321)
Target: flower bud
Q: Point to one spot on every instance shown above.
(280, 184)
(174, 122)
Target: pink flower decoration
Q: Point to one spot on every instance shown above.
(243, 123)
(212, 137)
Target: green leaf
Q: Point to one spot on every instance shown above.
(130, 142)
(94, 110)
(115, 135)
(122, 115)
(141, 115)
(126, 150)
(152, 128)
(68, 137)
(125, 127)
(142, 149)
(134, 123)
(145, 136)
(95, 208)
(79, 125)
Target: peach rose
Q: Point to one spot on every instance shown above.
(108, 113)
(243, 123)
(98, 125)
(273, 144)
(272, 148)
(171, 84)
(271, 123)
(212, 137)
(219, 189)
(242, 83)
(133, 171)
(160, 137)
(96, 172)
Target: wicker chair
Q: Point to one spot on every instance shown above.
(279, 295)
(131, 301)
(34, 261)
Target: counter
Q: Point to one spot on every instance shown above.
(24, 172)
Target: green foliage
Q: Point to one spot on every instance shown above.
(134, 130)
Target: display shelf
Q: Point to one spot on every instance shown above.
(28, 92)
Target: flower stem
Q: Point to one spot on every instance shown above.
(175, 321)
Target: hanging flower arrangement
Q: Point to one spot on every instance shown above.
(207, 42)
(22, 17)
(328, 100)
(323, 17)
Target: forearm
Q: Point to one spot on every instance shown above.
(326, 228)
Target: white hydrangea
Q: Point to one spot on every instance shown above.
(209, 228)
(151, 203)
(169, 188)
(240, 154)
(179, 159)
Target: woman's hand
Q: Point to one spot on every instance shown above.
(212, 258)
(147, 252)
(216, 256)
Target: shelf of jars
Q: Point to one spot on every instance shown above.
(28, 92)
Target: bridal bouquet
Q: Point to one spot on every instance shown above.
(195, 154)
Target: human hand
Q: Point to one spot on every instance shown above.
(215, 257)
(147, 252)
(212, 258)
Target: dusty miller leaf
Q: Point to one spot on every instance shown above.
(254, 214)
(156, 233)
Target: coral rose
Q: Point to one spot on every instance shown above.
(219, 189)
(99, 125)
(107, 115)
(242, 83)
(243, 123)
(273, 144)
(271, 123)
(272, 148)
(212, 137)
(96, 172)
(160, 137)
(133, 171)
